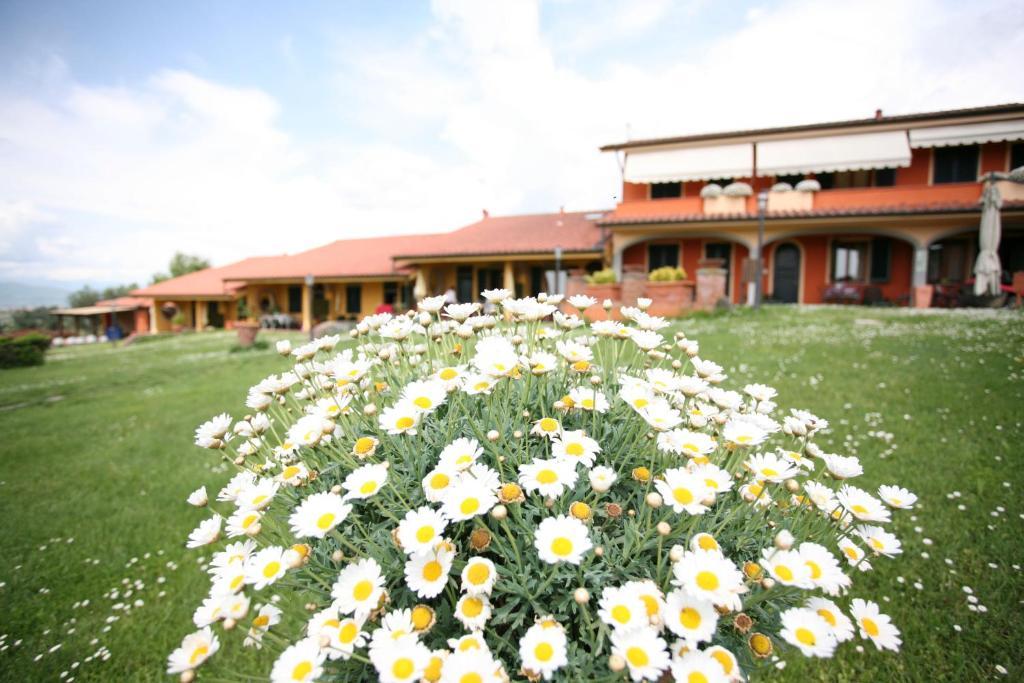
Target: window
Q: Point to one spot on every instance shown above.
(826, 180)
(848, 261)
(464, 284)
(354, 298)
(955, 164)
(294, 298)
(659, 255)
(490, 278)
(666, 190)
(885, 177)
(391, 293)
(1016, 155)
(881, 248)
(721, 250)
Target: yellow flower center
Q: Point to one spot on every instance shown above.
(261, 621)
(368, 487)
(851, 552)
(544, 652)
(784, 572)
(423, 402)
(815, 569)
(421, 617)
(561, 546)
(472, 677)
(827, 616)
(237, 582)
(724, 659)
(689, 618)
(870, 626)
(448, 373)
(805, 636)
(290, 472)
(302, 671)
(588, 403)
(707, 580)
(472, 607)
(326, 520)
(478, 574)
(548, 424)
(640, 403)
(581, 366)
(364, 444)
(707, 543)
(769, 472)
(439, 481)
(696, 677)
(469, 506)
(348, 632)
(198, 654)
(425, 533)
(574, 449)
(547, 477)
(743, 438)
(432, 570)
(637, 656)
(682, 496)
(433, 671)
(271, 569)
(362, 590)
(650, 604)
(621, 614)
(402, 668)
(859, 509)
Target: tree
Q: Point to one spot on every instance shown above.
(182, 264)
(86, 296)
(117, 291)
(39, 318)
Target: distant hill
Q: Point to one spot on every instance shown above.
(21, 295)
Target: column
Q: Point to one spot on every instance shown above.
(307, 308)
(153, 310)
(755, 257)
(200, 321)
(419, 289)
(508, 280)
(920, 275)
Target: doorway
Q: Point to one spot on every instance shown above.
(786, 274)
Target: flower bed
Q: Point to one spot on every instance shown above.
(464, 499)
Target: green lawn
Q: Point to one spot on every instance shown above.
(97, 459)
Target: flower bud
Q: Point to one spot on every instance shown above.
(677, 364)
(493, 435)
(229, 624)
(664, 528)
(517, 434)
(708, 500)
(615, 662)
(499, 512)
(760, 645)
(284, 347)
(654, 499)
(784, 540)
(480, 539)
(742, 622)
(676, 553)
(599, 550)
(581, 596)
(370, 409)
(337, 556)
(607, 305)
(595, 380)
(767, 583)
(187, 676)
(792, 485)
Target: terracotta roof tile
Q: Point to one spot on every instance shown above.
(207, 282)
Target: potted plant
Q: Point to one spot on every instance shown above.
(669, 290)
(603, 284)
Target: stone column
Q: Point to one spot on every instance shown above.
(710, 283)
(200, 321)
(634, 282)
(508, 278)
(307, 308)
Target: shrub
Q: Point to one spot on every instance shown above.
(463, 498)
(667, 274)
(605, 276)
(27, 350)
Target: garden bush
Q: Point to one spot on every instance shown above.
(27, 350)
(466, 498)
(667, 274)
(605, 276)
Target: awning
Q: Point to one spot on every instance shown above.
(689, 163)
(93, 310)
(968, 134)
(834, 153)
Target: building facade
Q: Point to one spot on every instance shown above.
(856, 211)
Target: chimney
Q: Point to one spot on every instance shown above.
(561, 210)
(487, 214)
(878, 115)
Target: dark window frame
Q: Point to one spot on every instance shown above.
(956, 164)
(295, 298)
(673, 190)
(354, 299)
(862, 247)
(657, 254)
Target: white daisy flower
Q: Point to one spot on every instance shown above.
(365, 481)
(637, 395)
(645, 653)
(495, 356)
(238, 483)
(318, 514)
(683, 491)
(234, 554)
(359, 587)
(692, 619)
(427, 574)
(265, 567)
(550, 478)
(473, 611)
(421, 529)
(743, 433)
(479, 384)
(437, 482)
(770, 467)
(542, 362)
(660, 415)
(862, 504)
(402, 418)
(431, 304)
(839, 623)
(842, 467)
(308, 430)
(451, 376)
(562, 539)
(685, 442)
(621, 609)
(547, 426)
(211, 433)
(582, 302)
(299, 663)
(788, 567)
(206, 533)
(715, 478)
(244, 523)
(460, 454)
(575, 447)
(727, 661)
(198, 498)
(195, 649)
(897, 497)
(426, 395)
(602, 478)
(294, 475)
(823, 568)
(709, 575)
(874, 625)
(822, 496)
(808, 632)
(258, 496)
(401, 664)
(466, 499)
(705, 541)
(880, 540)
(346, 638)
(478, 576)
(589, 399)
(854, 554)
(698, 665)
(543, 650)
(471, 666)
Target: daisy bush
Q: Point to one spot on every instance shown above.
(468, 498)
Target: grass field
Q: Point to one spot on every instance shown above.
(97, 460)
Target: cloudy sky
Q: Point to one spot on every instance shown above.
(236, 127)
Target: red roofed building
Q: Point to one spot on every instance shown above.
(874, 206)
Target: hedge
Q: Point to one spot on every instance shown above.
(23, 351)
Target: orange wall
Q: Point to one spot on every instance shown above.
(919, 170)
(816, 273)
(993, 157)
(632, 192)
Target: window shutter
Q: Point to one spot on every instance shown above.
(880, 257)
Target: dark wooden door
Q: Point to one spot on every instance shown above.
(786, 274)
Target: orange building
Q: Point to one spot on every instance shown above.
(861, 210)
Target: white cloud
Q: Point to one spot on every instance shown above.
(478, 111)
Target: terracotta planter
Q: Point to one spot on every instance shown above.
(923, 296)
(247, 333)
(669, 298)
(601, 292)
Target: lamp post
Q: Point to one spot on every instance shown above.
(762, 205)
(307, 304)
(558, 270)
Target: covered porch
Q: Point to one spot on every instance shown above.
(304, 303)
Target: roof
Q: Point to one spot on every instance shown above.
(526, 234)
(125, 301)
(831, 212)
(1015, 108)
(209, 282)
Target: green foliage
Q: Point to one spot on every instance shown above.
(117, 291)
(243, 309)
(258, 345)
(606, 276)
(40, 318)
(182, 264)
(28, 350)
(86, 296)
(667, 274)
